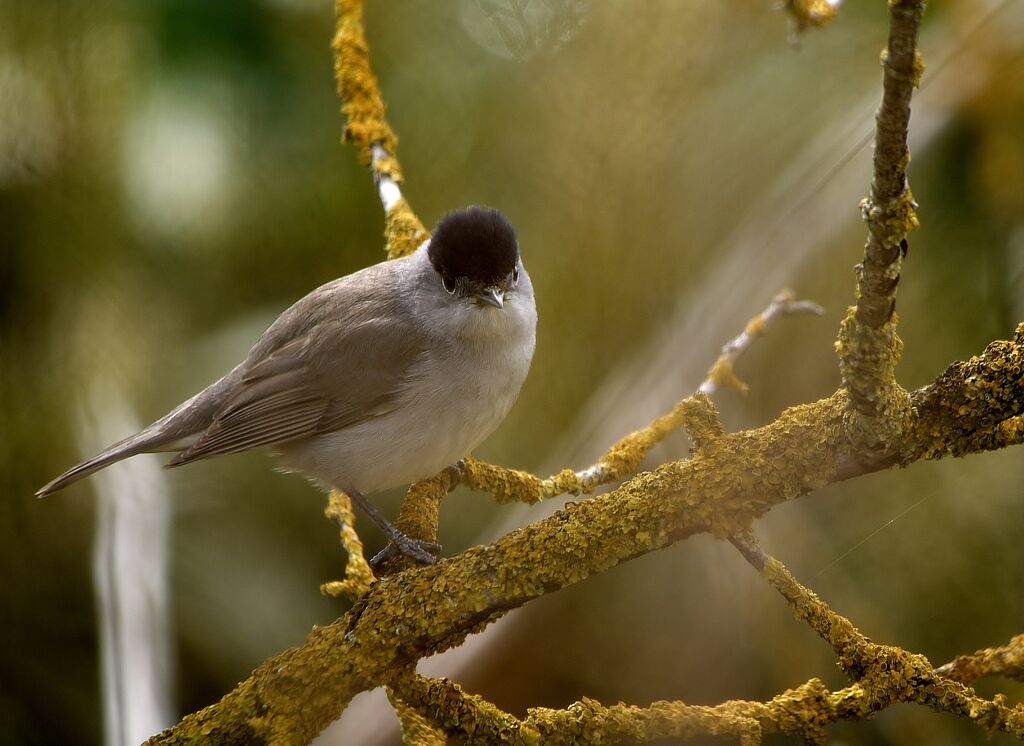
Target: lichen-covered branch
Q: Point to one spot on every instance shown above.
(474, 720)
(419, 515)
(868, 345)
(1006, 660)
(975, 405)
(853, 649)
(361, 101)
(723, 372)
(732, 480)
(695, 413)
(804, 712)
(885, 674)
(368, 130)
(358, 575)
(416, 729)
(889, 210)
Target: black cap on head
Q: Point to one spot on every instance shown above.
(476, 244)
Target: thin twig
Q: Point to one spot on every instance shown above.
(886, 674)
(722, 373)
(387, 188)
(368, 130)
(695, 414)
(358, 575)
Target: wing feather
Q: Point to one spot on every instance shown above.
(339, 357)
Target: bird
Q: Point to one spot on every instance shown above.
(377, 379)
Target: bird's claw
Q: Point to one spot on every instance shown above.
(422, 552)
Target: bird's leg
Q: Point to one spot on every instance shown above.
(449, 480)
(420, 551)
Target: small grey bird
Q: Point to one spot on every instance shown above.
(377, 379)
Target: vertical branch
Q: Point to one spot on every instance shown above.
(368, 130)
(358, 575)
(868, 345)
(889, 210)
(361, 102)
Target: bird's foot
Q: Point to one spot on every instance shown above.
(418, 550)
(457, 471)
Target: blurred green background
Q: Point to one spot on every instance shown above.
(171, 179)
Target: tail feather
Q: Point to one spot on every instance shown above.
(141, 442)
(175, 431)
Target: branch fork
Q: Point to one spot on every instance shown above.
(730, 480)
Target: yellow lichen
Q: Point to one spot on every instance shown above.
(730, 480)
(419, 513)
(918, 68)
(454, 711)
(884, 674)
(975, 405)
(723, 375)
(403, 231)
(916, 71)
(851, 647)
(504, 484)
(362, 104)
(696, 414)
(358, 575)
(880, 407)
(890, 222)
(815, 13)
(416, 729)
(758, 325)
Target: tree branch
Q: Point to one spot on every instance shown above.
(885, 674)
(1007, 661)
(889, 210)
(474, 720)
(358, 575)
(368, 130)
(868, 345)
(722, 372)
(732, 480)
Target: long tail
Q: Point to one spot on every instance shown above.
(176, 430)
(141, 442)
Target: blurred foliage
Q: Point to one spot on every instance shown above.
(171, 179)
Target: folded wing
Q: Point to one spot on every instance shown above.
(339, 357)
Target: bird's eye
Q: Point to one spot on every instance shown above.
(448, 284)
(515, 276)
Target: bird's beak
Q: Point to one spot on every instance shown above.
(493, 296)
